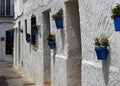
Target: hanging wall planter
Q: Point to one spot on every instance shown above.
(35, 29)
(117, 23)
(116, 17)
(11, 34)
(101, 48)
(28, 39)
(58, 17)
(59, 23)
(51, 41)
(101, 53)
(52, 44)
(21, 30)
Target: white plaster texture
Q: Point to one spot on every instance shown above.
(95, 21)
(60, 66)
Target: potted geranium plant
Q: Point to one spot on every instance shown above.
(101, 48)
(116, 17)
(35, 29)
(51, 41)
(58, 17)
(11, 32)
(28, 39)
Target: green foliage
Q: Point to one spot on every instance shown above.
(101, 42)
(51, 37)
(27, 35)
(11, 30)
(116, 11)
(35, 26)
(58, 15)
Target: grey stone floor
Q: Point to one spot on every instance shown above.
(9, 76)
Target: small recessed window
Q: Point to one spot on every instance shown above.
(25, 26)
(33, 36)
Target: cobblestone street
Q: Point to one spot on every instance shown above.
(9, 76)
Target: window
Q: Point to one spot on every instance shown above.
(9, 43)
(6, 7)
(26, 26)
(33, 36)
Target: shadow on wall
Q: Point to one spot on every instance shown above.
(105, 68)
(54, 53)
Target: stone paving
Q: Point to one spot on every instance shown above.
(9, 76)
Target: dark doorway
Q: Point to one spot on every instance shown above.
(9, 42)
(33, 36)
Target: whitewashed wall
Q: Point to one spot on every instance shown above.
(64, 63)
(95, 21)
(5, 24)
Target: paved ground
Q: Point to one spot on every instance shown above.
(9, 76)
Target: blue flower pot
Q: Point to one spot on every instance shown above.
(11, 34)
(35, 31)
(117, 22)
(28, 40)
(52, 44)
(21, 30)
(59, 23)
(101, 52)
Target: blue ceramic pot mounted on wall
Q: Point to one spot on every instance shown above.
(59, 23)
(11, 34)
(21, 30)
(35, 31)
(52, 44)
(117, 22)
(101, 52)
(28, 39)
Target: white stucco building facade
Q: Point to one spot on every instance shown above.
(73, 62)
(6, 23)
(96, 21)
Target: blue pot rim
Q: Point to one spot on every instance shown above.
(21, 30)
(28, 40)
(98, 48)
(58, 20)
(116, 16)
(35, 31)
(51, 42)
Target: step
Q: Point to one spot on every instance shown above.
(47, 84)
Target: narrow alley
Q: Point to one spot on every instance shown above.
(59, 42)
(9, 76)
